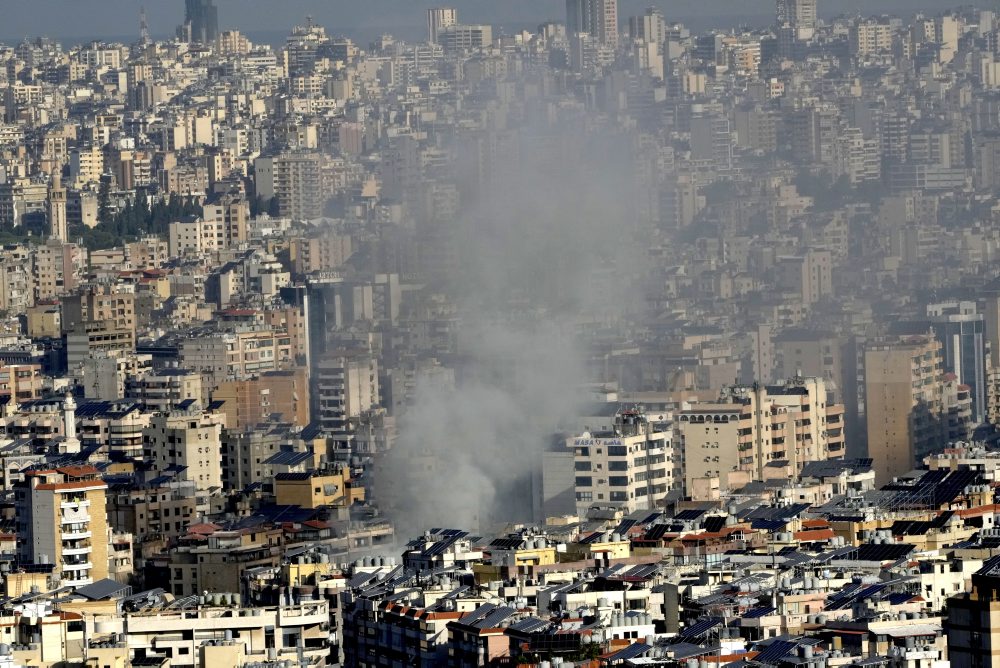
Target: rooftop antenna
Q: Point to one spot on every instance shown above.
(143, 26)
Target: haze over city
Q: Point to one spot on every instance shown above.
(548, 333)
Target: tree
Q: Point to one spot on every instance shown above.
(104, 200)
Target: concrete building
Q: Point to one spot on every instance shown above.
(903, 402)
(963, 333)
(61, 520)
(282, 395)
(187, 441)
(294, 178)
(629, 467)
(871, 36)
(347, 385)
(800, 352)
(21, 382)
(438, 18)
(459, 37)
(649, 26)
(225, 356)
(789, 422)
(165, 389)
(597, 18)
(707, 436)
(974, 620)
(809, 275)
(114, 308)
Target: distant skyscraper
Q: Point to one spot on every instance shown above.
(597, 18)
(203, 16)
(438, 18)
(649, 26)
(800, 15)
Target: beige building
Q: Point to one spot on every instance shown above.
(233, 355)
(21, 382)
(54, 269)
(903, 403)
(870, 36)
(808, 275)
(252, 401)
(164, 389)
(707, 437)
(88, 339)
(160, 512)
(629, 467)
(16, 292)
(100, 304)
(295, 179)
(324, 253)
(789, 422)
(216, 634)
(347, 385)
(61, 520)
(86, 165)
(810, 354)
(315, 489)
(190, 440)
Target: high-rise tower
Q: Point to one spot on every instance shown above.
(203, 17)
(438, 18)
(597, 18)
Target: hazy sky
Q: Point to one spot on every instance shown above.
(86, 19)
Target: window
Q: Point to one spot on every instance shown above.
(617, 451)
(618, 481)
(584, 481)
(583, 466)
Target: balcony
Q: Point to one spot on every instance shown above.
(78, 550)
(74, 516)
(82, 566)
(79, 534)
(74, 505)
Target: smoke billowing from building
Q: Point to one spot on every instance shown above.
(545, 256)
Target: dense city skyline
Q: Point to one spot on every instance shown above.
(99, 19)
(557, 333)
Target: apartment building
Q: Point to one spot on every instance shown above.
(707, 434)
(54, 269)
(347, 385)
(789, 422)
(218, 633)
(97, 338)
(282, 395)
(295, 179)
(629, 467)
(188, 441)
(223, 356)
(903, 402)
(165, 389)
(326, 487)
(61, 520)
(21, 382)
(327, 252)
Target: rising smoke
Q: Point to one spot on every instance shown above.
(547, 258)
